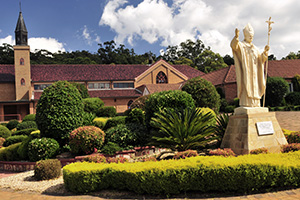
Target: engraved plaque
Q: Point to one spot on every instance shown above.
(265, 128)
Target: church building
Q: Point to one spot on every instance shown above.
(22, 84)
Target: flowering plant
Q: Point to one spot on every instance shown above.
(42, 148)
(222, 152)
(262, 150)
(186, 154)
(290, 147)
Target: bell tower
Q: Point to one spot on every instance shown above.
(22, 61)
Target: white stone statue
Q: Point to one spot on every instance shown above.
(249, 66)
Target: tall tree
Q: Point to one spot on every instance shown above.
(6, 54)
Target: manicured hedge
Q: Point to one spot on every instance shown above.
(203, 174)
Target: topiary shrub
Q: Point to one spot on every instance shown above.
(10, 153)
(136, 115)
(223, 105)
(174, 99)
(92, 105)
(276, 88)
(122, 136)
(26, 125)
(27, 131)
(82, 90)
(86, 140)
(29, 117)
(100, 122)
(42, 148)
(140, 102)
(23, 148)
(290, 147)
(107, 111)
(229, 109)
(96, 158)
(185, 154)
(88, 119)
(59, 111)
(221, 152)
(4, 132)
(293, 98)
(47, 169)
(262, 150)
(203, 92)
(14, 139)
(12, 124)
(114, 121)
(110, 148)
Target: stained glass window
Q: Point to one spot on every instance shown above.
(161, 78)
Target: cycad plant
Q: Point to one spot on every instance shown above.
(222, 122)
(182, 130)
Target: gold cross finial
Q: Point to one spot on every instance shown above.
(269, 24)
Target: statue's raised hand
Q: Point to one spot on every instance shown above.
(237, 33)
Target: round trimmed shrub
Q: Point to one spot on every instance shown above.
(47, 169)
(42, 148)
(203, 92)
(12, 124)
(122, 136)
(92, 105)
(100, 122)
(136, 115)
(2, 140)
(111, 148)
(293, 98)
(27, 131)
(10, 153)
(29, 117)
(276, 88)
(14, 139)
(86, 140)
(82, 90)
(59, 111)
(107, 111)
(114, 122)
(174, 99)
(26, 125)
(4, 132)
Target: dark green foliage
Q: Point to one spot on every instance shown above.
(92, 105)
(174, 99)
(189, 128)
(59, 111)
(277, 87)
(203, 92)
(293, 98)
(14, 139)
(3, 124)
(224, 104)
(221, 125)
(29, 117)
(136, 115)
(10, 153)
(88, 119)
(4, 132)
(236, 102)
(110, 148)
(293, 137)
(82, 89)
(26, 125)
(139, 102)
(23, 148)
(220, 92)
(229, 109)
(114, 122)
(107, 111)
(122, 136)
(12, 124)
(24, 131)
(86, 140)
(42, 148)
(296, 83)
(47, 169)
(141, 134)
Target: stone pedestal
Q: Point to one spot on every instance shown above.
(242, 134)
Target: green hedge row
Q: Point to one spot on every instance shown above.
(204, 174)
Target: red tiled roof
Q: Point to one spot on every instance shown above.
(216, 77)
(51, 73)
(7, 73)
(190, 72)
(115, 93)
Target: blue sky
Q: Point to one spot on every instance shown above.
(151, 25)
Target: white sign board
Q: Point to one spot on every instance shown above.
(265, 128)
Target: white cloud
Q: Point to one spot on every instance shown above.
(49, 44)
(211, 21)
(88, 38)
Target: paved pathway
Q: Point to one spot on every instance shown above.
(287, 120)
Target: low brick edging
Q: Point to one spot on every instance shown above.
(22, 166)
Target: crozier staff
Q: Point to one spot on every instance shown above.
(249, 66)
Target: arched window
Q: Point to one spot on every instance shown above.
(22, 61)
(22, 81)
(129, 104)
(161, 78)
